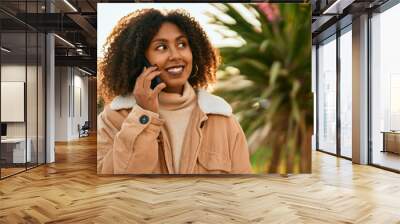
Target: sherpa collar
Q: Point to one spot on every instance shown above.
(208, 103)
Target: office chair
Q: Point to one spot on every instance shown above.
(84, 130)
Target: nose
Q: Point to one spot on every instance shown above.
(174, 53)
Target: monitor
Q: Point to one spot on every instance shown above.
(3, 129)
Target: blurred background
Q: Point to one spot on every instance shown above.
(267, 80)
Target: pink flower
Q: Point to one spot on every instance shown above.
(271, 11)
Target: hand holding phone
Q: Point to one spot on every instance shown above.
(145, 96)
(156, 80)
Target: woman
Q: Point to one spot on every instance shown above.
(177, 127)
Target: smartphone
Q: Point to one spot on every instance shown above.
(156, 80)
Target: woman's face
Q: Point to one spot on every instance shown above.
(170, 51)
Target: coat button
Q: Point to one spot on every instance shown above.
(144, 119)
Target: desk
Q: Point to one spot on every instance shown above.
(391, 141)
(13, 150)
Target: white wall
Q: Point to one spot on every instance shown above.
(61, 103)
(71, 93)
(314, 91)
(12, 73)
(34, 124)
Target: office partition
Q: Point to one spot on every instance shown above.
(22, 77)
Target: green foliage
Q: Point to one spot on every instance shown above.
(100, 104)
(260, 158)
(275, 104)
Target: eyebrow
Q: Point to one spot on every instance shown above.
(165, 40)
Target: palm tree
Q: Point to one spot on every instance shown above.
(267, 80)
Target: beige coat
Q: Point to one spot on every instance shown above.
(128, 144)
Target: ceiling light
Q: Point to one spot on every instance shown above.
(86, 72)
(70, 5)
(337, 7)
(64, 40)
(5, 50)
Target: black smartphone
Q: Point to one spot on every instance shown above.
(156, 80)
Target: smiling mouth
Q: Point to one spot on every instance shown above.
(175, 70)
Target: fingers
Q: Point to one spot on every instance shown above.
(140, 85)
(159, 88)
(145, 73)
(147, 70)
(148, 78)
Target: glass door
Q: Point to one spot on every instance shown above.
(345, 92)
(327, 95)
(385, 89)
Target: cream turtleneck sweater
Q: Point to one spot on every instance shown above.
(176, 110)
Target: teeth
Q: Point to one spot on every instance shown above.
(175, 70)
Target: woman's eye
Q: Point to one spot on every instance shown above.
(181, 45)
(161, 47)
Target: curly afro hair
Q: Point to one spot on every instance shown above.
(126, 45)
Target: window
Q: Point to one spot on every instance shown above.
(385, 88)
(346, 92)
(327, 95)
(23, 76)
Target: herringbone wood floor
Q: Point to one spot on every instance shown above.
(69, 191)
